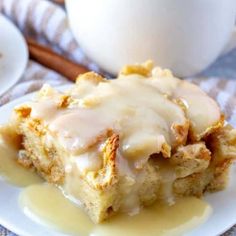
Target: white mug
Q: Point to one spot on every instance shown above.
(183, 35)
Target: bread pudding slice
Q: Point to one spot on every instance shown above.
(119, 145)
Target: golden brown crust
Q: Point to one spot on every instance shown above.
(91, 77)
(166, 150)
(23, 111)
(64, 101)
(107, 175)
(181, 133)
(214, 128)
(143, 69)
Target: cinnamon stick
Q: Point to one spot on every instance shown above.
(48, 58)
(59, 1)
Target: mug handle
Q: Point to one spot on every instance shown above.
(231, 44)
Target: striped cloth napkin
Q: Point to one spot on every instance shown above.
(47, 23)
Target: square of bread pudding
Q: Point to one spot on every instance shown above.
(119, 145)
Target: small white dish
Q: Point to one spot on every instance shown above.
(13, 54)
(11, 216)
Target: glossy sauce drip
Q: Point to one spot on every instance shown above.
(168, 176)
(13, 172)
(192, 97)
(47, 205)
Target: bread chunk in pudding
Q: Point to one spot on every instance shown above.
(119, 145)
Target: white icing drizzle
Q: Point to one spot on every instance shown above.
(144, 119)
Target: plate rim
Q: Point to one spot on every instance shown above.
(26, 53)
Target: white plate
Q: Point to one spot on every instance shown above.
(11, 216)
(13, 54)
